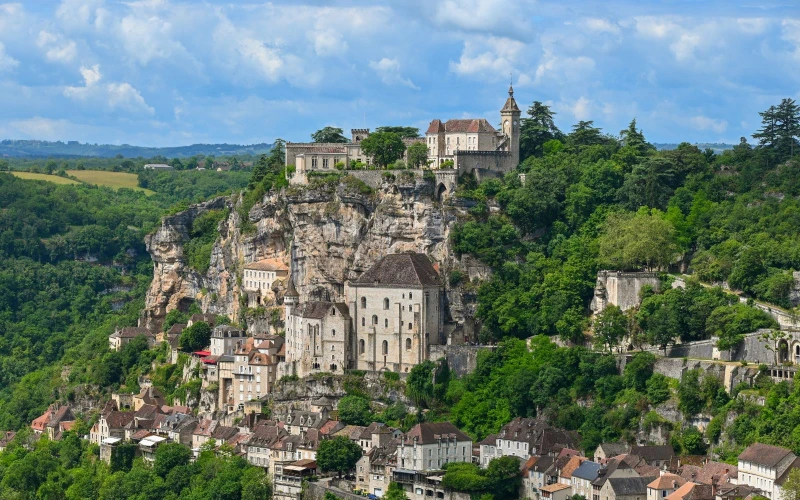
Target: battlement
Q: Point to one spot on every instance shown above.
(481, 153)
(358, 134)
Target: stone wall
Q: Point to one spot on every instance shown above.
(620, 289)
(730, 374)
(462, 359)
(316, 491)
(495, 161)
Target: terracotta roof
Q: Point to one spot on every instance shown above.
(692, 491)
(318, 310)
(267, 265)
(431, 432)
(209, 318)
(552, 488)
(764, 454)
(401, 269)
(176, 329)
(490, 440)
(710, 473)
(330, 427)
(351, 432)
(118, 419)
(667, 482)
(140, 434)
(571, 466)
(528, 465)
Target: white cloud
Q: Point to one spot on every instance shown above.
(701, 122)
(563, 68)
(148, 38)
(494, 16)
(82, 14)
(489, 57)
(582, 109)
(389, 72)
(328, 42)
(7, 62)
(56, 47)
(41, 128)
(115, 95)
(596, 25)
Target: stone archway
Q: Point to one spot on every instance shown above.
(441, 190)
(783, 351)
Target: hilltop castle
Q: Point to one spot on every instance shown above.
(471, 144)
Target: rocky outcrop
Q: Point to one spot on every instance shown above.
(328, 234)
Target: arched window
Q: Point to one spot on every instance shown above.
(333, 333)
(333, 311)
(386, 323)
(363, 302)
(386, 304)
(410, 296)
(374, 319)
(361, 346)
(385, 347)
(363, 321)
(408, 344)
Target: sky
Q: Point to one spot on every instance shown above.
(172, 72)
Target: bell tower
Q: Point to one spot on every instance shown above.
(509, 118)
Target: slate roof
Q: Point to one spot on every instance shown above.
(651, 453)
(764, 454)
(587, 470)
(614, 449)
(291, 291)
(511, 103)
(401, 269)
(468, 125)
(625, 486)
(490, 440)
(610, 466)
(318, 310)
(431, 432)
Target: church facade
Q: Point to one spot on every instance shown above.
(389, 317)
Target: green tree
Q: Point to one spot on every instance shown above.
(730, 323)
(419, 384)
(791, 487)
(330, 135)
(338, 455)
(195, 337)
(650, 184)
(610, 327)
(503, 472)
(658, 389)
(418, 155)
(3, 165)
(405, 132)
(396, 492)
(633, 241)
(169, 456)
(537, 129)
(639, 370)
(690, 400)
(384, 147)
(256, 483)
(355, 410)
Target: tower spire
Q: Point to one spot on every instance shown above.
(510, 84)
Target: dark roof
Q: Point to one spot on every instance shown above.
(614, 449)
(405, 269)
(471, 125)
(709, 473)
(650, 453)
(431, 432)
(131, 332)
(511, 104)
(624, 486)
(587, 470)
(291, 291)
(764, 454)
(318, 310)
(490, 440)
(605, 472)
(118, 419)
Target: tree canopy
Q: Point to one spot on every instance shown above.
(384, 147)
(329, 134)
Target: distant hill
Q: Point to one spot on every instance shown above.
(718, 147)
(43, 149)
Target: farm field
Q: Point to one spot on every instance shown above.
(115, 180)
(44, 177)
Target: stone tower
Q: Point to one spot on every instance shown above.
(509, 118)
(290, 298)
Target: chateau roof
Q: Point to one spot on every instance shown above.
(764, 454)
(511, 104)
(318, 310)
(401, 269)
(468, 125)
(431, 432)
(267, 265)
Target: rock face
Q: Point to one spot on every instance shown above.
(327, 235)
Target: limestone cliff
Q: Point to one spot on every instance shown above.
(328, 233)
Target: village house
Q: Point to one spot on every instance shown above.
(225, 339)
(556, 491)
(710, 472)
(625, 488)
(654, 455)
(317, 337)
(664, 485)
(121, 337)
(258, 279)
(524, 437)
(179, 427)
(374, 471)
(582, 479)
(56, 420)
(612, 468)
(265, 434)
(766, 467)
(110, 425)
(289, 480)
(428, 446)
(253, 373)
(5, 439)
(148, 446)
(608, 450)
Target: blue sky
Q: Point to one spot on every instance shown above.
(170, 72)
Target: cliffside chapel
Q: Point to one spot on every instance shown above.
(391, 314)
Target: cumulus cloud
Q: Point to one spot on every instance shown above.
(83, 14)
(490, 16)
(562, 68)
(7, 62)
(389, 72)
(489, 57)
(56, 47)
(114, 95)
(701, 122)
(597, 25)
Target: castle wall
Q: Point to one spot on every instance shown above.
(620, 289)
(469, 161)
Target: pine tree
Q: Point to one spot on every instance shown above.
(766, 135)
(788, 125)
(537, 129)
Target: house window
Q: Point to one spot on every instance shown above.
(333, 333)
(410, 326)
(313, 162)
(408, 344)
(385, 347)
(386, 304)
(325, 163)
(374, 319)
(363, 302)
(361, 346)
(363, 321)
(386, 323)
